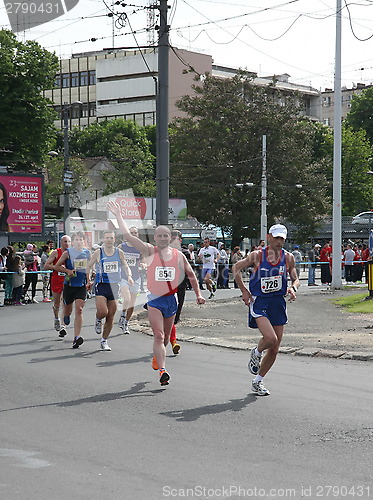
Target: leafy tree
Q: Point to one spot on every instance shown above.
(53, 175)
(357, 185)
(26, 69)
(360, 115)
(134, 168)
(219, 144)
(97, 139)
(128, 148)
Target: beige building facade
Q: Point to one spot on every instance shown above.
(327, 100)
(117, 83)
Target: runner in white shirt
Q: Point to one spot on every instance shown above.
(209, 256)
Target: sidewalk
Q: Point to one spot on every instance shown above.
(317, 327)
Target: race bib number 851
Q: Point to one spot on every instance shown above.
(271, 284)
(164, 273)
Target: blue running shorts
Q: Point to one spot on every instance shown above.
(206, 270)
(166, 304)
(107, 290)
(272, 307)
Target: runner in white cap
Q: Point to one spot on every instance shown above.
(268, 287)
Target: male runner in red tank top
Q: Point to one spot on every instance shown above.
(57, 280)
(166, 268)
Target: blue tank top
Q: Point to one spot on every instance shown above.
(108, 269)
(132, 256)
(77, 260)
(269, 279)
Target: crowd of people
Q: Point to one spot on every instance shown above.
(113, 272)
(19, 272)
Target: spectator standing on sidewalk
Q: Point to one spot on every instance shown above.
(31, 264)
(18, 281)
(358, 265)
(45, 278)
(348, 258)
(236, 257)
(297, 259)
(223, 267)
(325, 259)
(8, 282)
(313, 258)
(265, 297)
(365, 256)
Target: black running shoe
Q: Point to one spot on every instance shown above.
(164, 378)
(77, 343)
(62, 332)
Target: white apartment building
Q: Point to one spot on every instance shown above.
(121, 83)
(327, 109)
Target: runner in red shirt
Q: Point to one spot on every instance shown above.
(57, 280)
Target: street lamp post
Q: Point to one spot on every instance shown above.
(263, 216)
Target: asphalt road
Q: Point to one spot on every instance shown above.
(86, 424)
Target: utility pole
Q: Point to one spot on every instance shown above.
(263, 216)
(337, 157)
(66, 157)
(163, 149)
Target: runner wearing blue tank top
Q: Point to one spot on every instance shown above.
(129, 291)
(110, 262)
(265, 297)
(73, 263)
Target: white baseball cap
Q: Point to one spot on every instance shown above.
(278, 230)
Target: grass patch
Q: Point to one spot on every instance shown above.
(356, 303)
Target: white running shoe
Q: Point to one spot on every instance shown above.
(57, 324)
(254, 362)
(259, 388)
(125, 327)
(105, 345)
(98, 326)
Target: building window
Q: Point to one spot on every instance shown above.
(149, 119)
(75, 79)
(92, 109)
(57, 81)
(92, 77)
(83, 78)
(75, 111)
(58, 110)
(65, 80)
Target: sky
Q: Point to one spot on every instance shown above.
(265, 36)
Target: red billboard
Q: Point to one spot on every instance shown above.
(21, 203)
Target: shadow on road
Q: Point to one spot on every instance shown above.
(194, 413)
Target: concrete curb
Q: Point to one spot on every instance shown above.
(242, 346)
